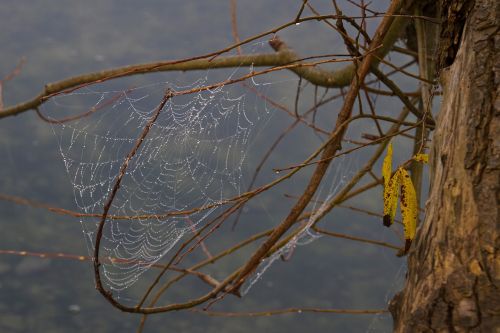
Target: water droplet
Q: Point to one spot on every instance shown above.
(74, 308)
(298, 23)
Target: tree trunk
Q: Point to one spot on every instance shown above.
(453, 282)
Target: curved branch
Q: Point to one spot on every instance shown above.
(326, 78)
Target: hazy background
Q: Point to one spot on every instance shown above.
(64, 38)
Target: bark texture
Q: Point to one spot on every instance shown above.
(453, 282)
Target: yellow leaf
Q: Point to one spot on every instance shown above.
(424, 158)
(387, 166)
(409, 209)
(391, 187)
(400, 182)
(391, 193)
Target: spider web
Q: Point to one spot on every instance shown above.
(191, 158)
(336, 178)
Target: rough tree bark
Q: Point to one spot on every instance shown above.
(453, 269)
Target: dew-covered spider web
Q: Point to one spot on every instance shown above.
(190, 164)
(192, 158)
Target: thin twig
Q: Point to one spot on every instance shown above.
(290, 311)
(114, 190)
(354, 238)
(297, 18)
